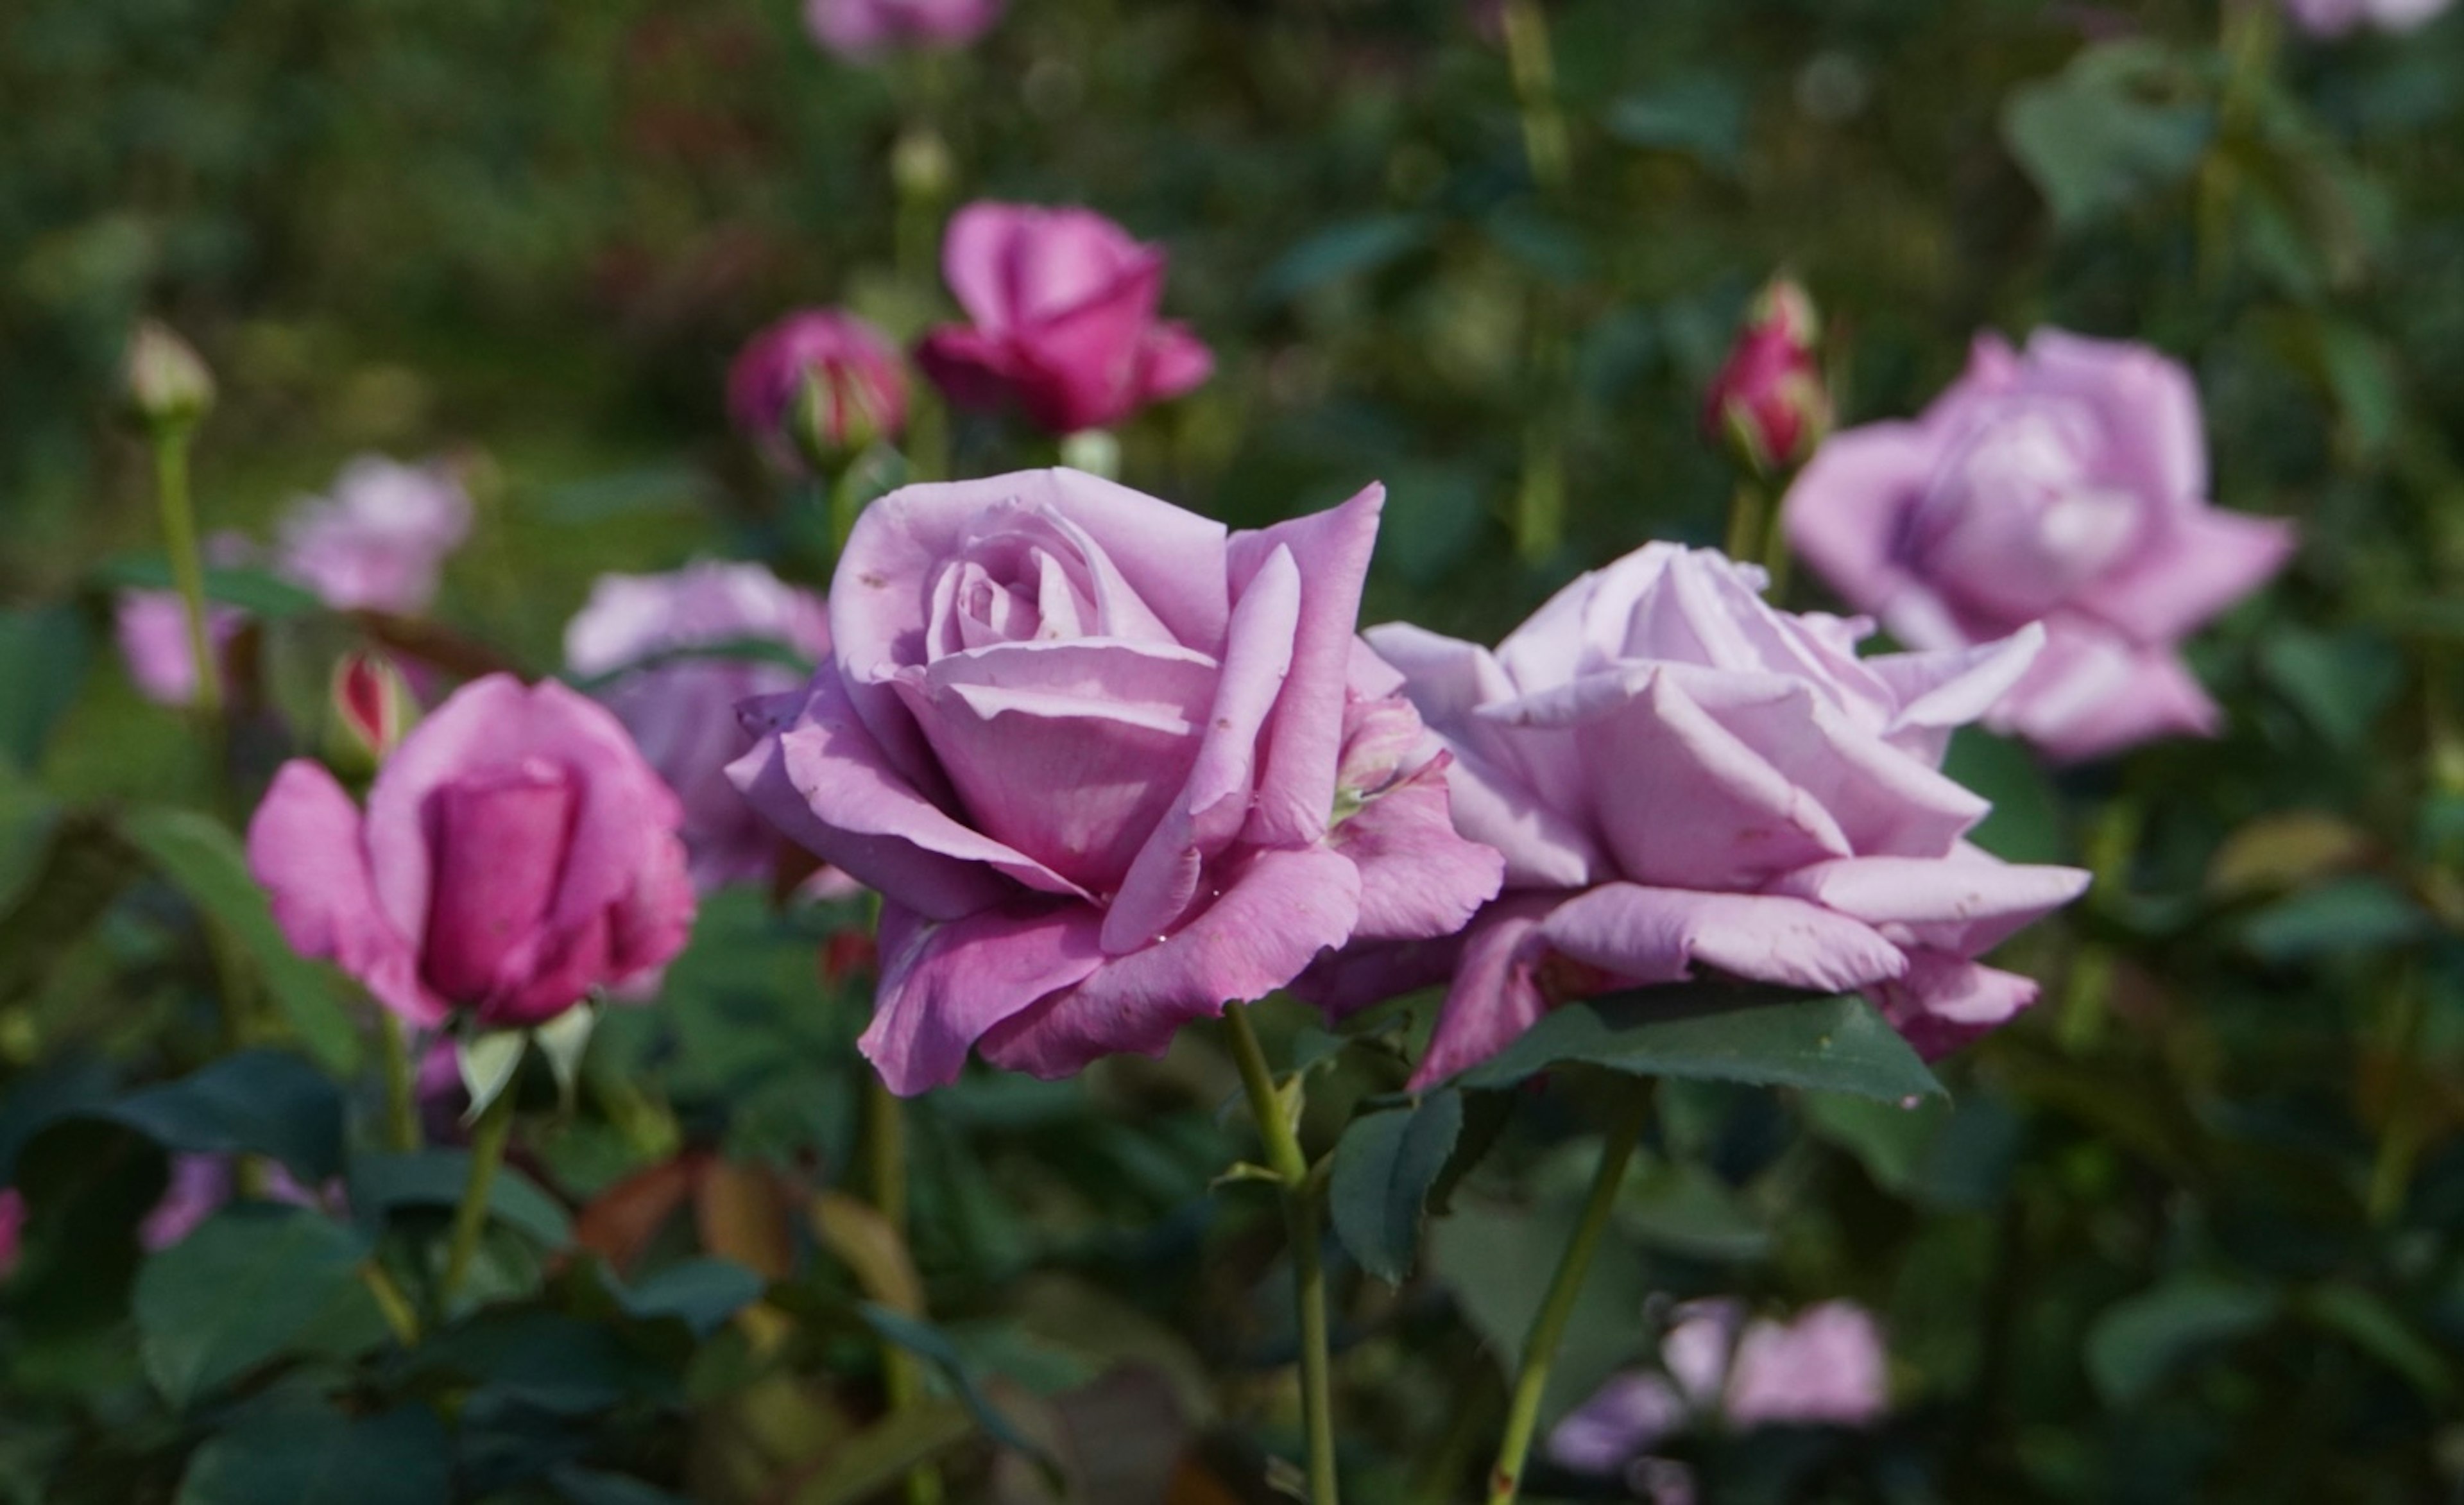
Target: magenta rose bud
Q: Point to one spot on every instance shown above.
(1062, 306)
(2066, 486)
(372, 709)
(1768, 404)
(2335, 17)
(815, 387)
(681, 712)
(1680, 776)
(378, 539)
(517, 854)
(866, 29)
(1110, 768)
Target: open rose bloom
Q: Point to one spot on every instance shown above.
(2064, 486)
(517, 854)
(865, 29)
(379, 539)
(1109, 767)
(2335, 17)
(1681, 777)
(681, 712)
(1062, 309)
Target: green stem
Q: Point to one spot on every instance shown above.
(1301, 1213)
(2088, 983)
(488, 1138)
(391, 1303)
(902, 1380)
(187, 562)
(1748, 521)
(1540, 1347)
(1529, 59)
(2400, 1134)
(402, 1100)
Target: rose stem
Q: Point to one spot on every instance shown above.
(170, 444)
(1540, 1347)
(488, 1138)
(885, 1124)
(1540, 505)
(2088, 981)
(1300, 1197)
(402, 1107)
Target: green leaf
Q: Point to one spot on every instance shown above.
(321, 1457)
(487, 1063)
(1704, 117)
(257, 1102)
(2341, 916)
(435, 1178)
(877, 1458)
(2025, 824)
(547, 1360)
(239, 1291)
(2118, 123)
(1340, 251)
(1688, 1210)
(1700, 1030)
(1384, 1167)
(253, 590)
(204, 861)
(1497, 1258)
(43, 656)
(701, 1293)
(931, 1344)
(2137, 1341)
(590, 1487)
(2365, 1320)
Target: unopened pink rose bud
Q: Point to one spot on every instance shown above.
(1769, 403)
(816, 388)
(166, 383)
(373, 709)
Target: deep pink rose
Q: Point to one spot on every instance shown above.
(863, 28)
(682, 713)
(1063, 304)
(2335, 17)
(2066, 486)
(1680, 775)
(516, 854)
(817, 380)
(1825, 1368)
(379, 539)
(1108, 767)
(1769, 402)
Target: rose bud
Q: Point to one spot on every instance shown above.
(1768, 404)
(815, 388)
(371, 710)
(517, 854)
(165, 383)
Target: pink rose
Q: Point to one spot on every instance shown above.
(1108, 767)
(1063, 304)
(2066, 486)
(377, 542)
(1678, 775)
(862, 28)
(152, 629)
(516, 854)
(1769, 400)
(1826, 1368)
(682, 713)
(199, 1187)
(817, 380)
(2335, 17)
(12, 1228)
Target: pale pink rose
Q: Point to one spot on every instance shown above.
(378, 540)
(866, 29)
(2066, 486)
(152, 629)
(2335, 17)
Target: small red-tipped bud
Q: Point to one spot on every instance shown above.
(166, 382)
(373, 709)
(1768, 404)
(816, 389)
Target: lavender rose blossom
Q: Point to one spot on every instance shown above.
(1110, 768)
(1680, 776)
(2065, 486)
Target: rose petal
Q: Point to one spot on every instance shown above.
(1304, 740)
(1658, 934)
(306, 848)
(1418, 878)
(1496, 992)
(1946, 1001)
(1967, 904)
(944, 983)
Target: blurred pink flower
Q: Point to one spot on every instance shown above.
(1769, 402)
(201, 1184)
(517, 854)
(857, 388)
(376, 541)
(682, 712)
(1063, 306)
(2335, 17)
(2066, 486)
(863, 28)
(12, 1228)
(1680, 776)
(1108, 767)
(152, 629)
(1825, 1368)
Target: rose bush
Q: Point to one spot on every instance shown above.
(516, 854)
(1680, 775)
(1110, 768)
(2064, 485)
